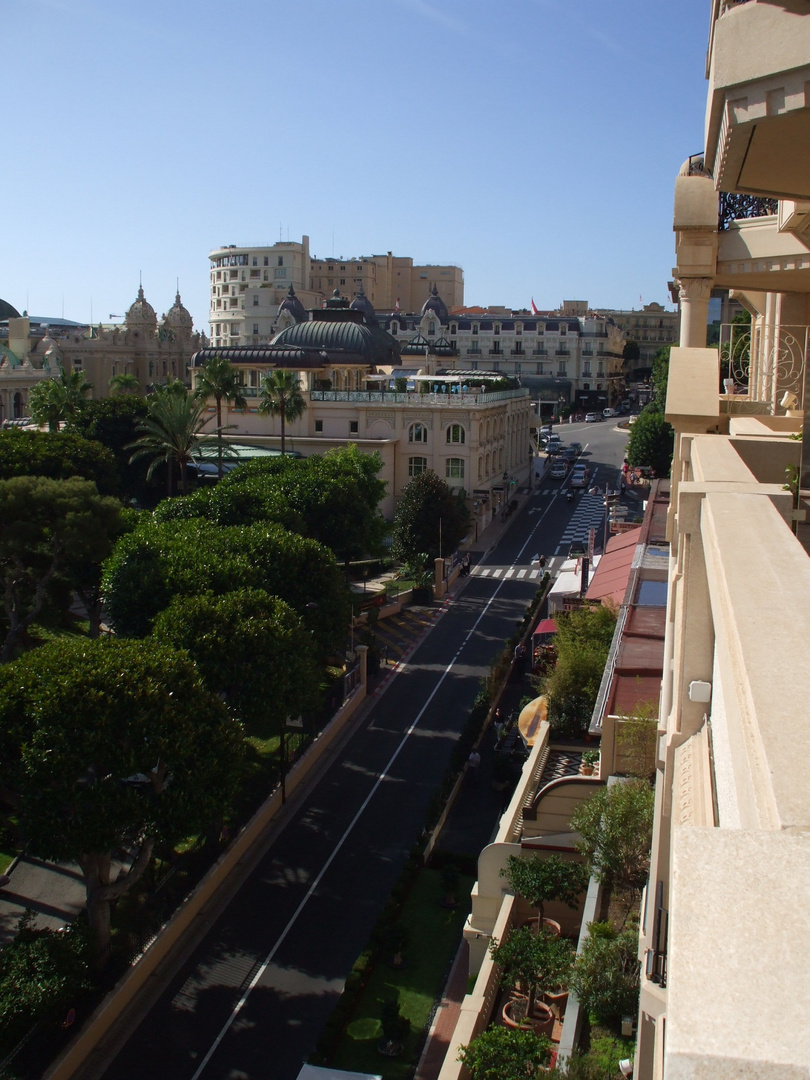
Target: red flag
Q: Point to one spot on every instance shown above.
(534, 308)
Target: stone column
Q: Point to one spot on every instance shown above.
(694, 296)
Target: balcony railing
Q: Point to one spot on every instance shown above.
(416, 399)
(735, 207)
(766, 361)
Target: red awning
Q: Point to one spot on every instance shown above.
(547, 626)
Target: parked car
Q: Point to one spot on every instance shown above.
(607, 413)
(593, 417)
(554, 445)
(570, 453)
(575, 446)
(559, 470)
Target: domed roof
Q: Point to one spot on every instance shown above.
(434, 305)
(7, 311)
(293, 306)
(178, 317)
(362, 303)
(141, 314)
(347, 339)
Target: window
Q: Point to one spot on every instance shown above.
(256, 300)
(281, 260)
(354, 427)
(475, 329)
(497, 329)
(453, 329)
(586, 368)
(225, 290)
(266, 261)
(454, 468)
(394, 328)
(256, 328)
(416, 466)
(563, 329)
(456, 434)
(255, 261)
(319, 427)
(417, 433)
(254, 273)
(431, 329)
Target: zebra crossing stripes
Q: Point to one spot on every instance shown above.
(506, 572)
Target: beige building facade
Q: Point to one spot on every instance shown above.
(153, 350)
(724, 981)
(248, 284)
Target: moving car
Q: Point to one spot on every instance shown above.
(593, 417)
(559, 470)
(608, 413)
(579, 477)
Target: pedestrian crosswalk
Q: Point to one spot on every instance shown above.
(589, 514)
(524, 573)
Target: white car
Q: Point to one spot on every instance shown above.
(593, 417)
(579, 477)
(558, 471)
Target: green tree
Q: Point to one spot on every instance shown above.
(124, 383)
(606, 975)
(170, 433)
(48, 527)
(112, 422)
(123, 746)
(501, 1053)
(42, 973)
(660, 378)
(542, 880)
(615, 828)
(333, 499)
(281, 396)
(251, 649)
(651, 442)
(219, 379)
(533, 960)
(162, 560)
(429, 518)
(58, 455)
(582, 641)
(57, 399)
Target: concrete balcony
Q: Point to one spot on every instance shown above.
(757, 116)
(760, 253)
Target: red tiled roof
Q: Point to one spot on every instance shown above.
(610, 578)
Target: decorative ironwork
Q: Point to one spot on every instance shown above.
(697, 165)
(735, 207)
(766, 362)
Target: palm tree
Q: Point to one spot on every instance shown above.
(219, 379)
(124, 382)
(171, 432)
(281, 396)
(54, 400)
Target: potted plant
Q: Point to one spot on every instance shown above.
(395, 1029)
(541, 880)
(589, 760)
(532, 963)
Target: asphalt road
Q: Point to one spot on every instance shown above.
(253, 998)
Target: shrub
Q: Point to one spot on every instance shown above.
(606, 973)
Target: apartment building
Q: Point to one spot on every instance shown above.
(248, 285)
(566, 361)
(725, 984)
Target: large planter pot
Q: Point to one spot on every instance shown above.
(541, 1022)
(551, 926)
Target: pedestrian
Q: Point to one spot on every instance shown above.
(473, 761)
(542, 562)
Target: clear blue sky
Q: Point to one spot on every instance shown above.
(535, 143)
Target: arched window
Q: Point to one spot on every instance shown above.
(416, 466)
(431, 329)
(456, 434)
(417, 433)
(480, 468)
(454, 468)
